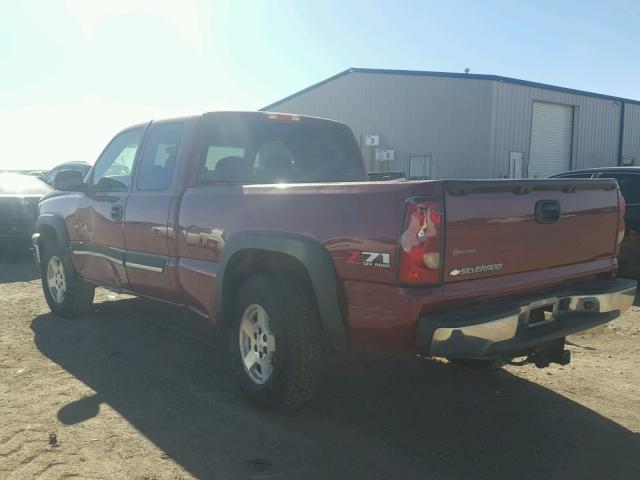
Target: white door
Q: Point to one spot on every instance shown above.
(551, 136)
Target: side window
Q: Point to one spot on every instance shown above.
(159, 156)
(112, 171)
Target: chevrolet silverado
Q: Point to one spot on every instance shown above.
(265, 224)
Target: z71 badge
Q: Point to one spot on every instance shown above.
(370, 259)
(489, 267)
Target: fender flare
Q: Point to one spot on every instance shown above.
(57, 223)
(315, 259)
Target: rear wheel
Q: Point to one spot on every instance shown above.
(66, 293)
(275, 342)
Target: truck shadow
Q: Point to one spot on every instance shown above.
(166, 373)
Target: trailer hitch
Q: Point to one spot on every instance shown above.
(546, 354)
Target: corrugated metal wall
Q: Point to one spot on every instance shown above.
(469, 126)
(447, 118)
(595, 127)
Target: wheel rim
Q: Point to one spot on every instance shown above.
(56, 280)
(257, 344)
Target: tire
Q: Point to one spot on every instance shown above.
(66, 293)
(274, 315)
(481, 365)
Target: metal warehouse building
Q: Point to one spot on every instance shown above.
(449, 125)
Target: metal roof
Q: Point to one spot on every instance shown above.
(468, 76)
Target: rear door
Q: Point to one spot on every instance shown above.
(148, 234)
(98, 250)
(507, 227)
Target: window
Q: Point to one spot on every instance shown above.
(159, 156)
(274, 163)
(112, 171)
(419, 166)
(629, 185)
(256, 149)
(215, 153)
(575, 175)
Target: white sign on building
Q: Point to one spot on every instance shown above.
(372, 140)
(385, 155)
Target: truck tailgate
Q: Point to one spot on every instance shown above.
(503, 227)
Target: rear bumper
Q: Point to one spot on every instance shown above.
(515, 327)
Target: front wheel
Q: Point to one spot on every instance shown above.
(66, 293)
(275, 342)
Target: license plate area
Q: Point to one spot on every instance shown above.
(541, 313)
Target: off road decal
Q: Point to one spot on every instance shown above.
(489, 267)
(370, 259)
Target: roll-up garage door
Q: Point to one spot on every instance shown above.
(551, 135)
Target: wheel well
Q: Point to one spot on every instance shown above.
(247, 263)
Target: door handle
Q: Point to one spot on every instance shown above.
(116, 212)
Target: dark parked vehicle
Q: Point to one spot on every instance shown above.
(82, 167)
(629, 181)
(265, 224)
(19, 196)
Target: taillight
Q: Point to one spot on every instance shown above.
(420, 242)
(621, 227)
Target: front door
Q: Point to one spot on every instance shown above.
(99, 251)
(149, 236)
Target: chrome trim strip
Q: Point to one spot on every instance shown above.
(96, 254)
(505, 328)
(144, 267)
(117, 261)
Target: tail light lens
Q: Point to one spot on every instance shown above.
(621, 226)
(420, 243)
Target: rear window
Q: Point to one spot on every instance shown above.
(242, 149)
(13, 183)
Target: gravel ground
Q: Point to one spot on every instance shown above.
(142, 390)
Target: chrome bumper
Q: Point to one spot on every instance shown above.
(475, 334)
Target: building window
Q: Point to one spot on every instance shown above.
(419, 166)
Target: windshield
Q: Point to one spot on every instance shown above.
(21, 184)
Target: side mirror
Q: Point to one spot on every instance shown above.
(68, 181)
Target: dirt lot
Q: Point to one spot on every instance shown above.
(141, 390)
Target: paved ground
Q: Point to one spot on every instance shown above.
(142, 390)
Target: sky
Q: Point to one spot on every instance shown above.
(75, 72)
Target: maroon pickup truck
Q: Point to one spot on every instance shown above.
(265, 224)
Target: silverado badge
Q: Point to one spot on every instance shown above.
(489, 267)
